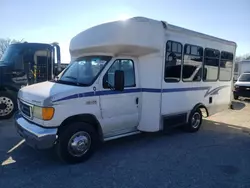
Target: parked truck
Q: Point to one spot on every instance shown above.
(127, 77)
(24, 64)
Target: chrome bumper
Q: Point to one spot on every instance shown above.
(35, 136)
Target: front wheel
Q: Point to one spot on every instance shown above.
(76, 142)
(236, 97)
(194, 121)
(7, 105)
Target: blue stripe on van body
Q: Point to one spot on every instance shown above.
(170, 90)
(148, 90)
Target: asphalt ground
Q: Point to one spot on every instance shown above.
(216, 156)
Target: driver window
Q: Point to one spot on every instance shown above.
(125, 65)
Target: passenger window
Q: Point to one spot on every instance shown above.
(192, 64)
(226, 66)
(173, 61)
(125, 65)
(211, 63)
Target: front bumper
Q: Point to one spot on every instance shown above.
(35, 136)
(243, 93)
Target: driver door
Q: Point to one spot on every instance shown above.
(120, 110)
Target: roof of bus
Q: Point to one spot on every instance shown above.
(28, 44)
(137, 35)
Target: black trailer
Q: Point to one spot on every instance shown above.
(24, 64)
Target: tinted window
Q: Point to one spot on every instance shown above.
(173, 61)
(211, 63)
(192, 64)
(129, 73)
(12, 53)
(14, 56)
(226, 66)
(245, 78)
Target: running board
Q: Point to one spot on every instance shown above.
(121, 135)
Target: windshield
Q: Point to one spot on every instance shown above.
(245, 78)
(10, 54)
(84, 71)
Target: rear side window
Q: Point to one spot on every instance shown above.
(211, 63)
(173, 61)
(192, 64)
(226, 66)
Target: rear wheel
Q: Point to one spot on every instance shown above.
(76, 142)
(7, 105)
(195, 121)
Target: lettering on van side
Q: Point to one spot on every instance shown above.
(214, 91)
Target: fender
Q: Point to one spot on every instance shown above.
(201, 106)
(87, 118)
(10, 89)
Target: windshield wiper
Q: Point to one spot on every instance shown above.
(71, 77)
(70, 83)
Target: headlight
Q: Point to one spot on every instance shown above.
(236, 87)
(44, 113)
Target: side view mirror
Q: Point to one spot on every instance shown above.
(119, 80)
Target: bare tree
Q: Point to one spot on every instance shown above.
(4, 43)
(242, 57)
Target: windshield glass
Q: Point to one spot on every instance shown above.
(10, 54)
(84, 71)
(245, 78)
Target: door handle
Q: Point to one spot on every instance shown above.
(137, 100)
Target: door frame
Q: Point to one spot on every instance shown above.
(102, 90)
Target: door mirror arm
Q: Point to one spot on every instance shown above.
(109, 85)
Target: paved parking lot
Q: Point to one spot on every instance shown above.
(216, 156)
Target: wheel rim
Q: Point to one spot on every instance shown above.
(6, 106)
(79, 144)
(196, 119)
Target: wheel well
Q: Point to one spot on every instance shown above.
(87, 118)
(10, 90)
(202, 108)
(2, 89)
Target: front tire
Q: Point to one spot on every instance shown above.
(236, 97)
(194, 121)
(7, 105)
(76, 142)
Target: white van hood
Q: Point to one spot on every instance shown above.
(42, 94)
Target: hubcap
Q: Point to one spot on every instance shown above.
(79, 143)
(196, 119)
(6, 106)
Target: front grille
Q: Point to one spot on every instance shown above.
(25, 109)
(244, 88)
